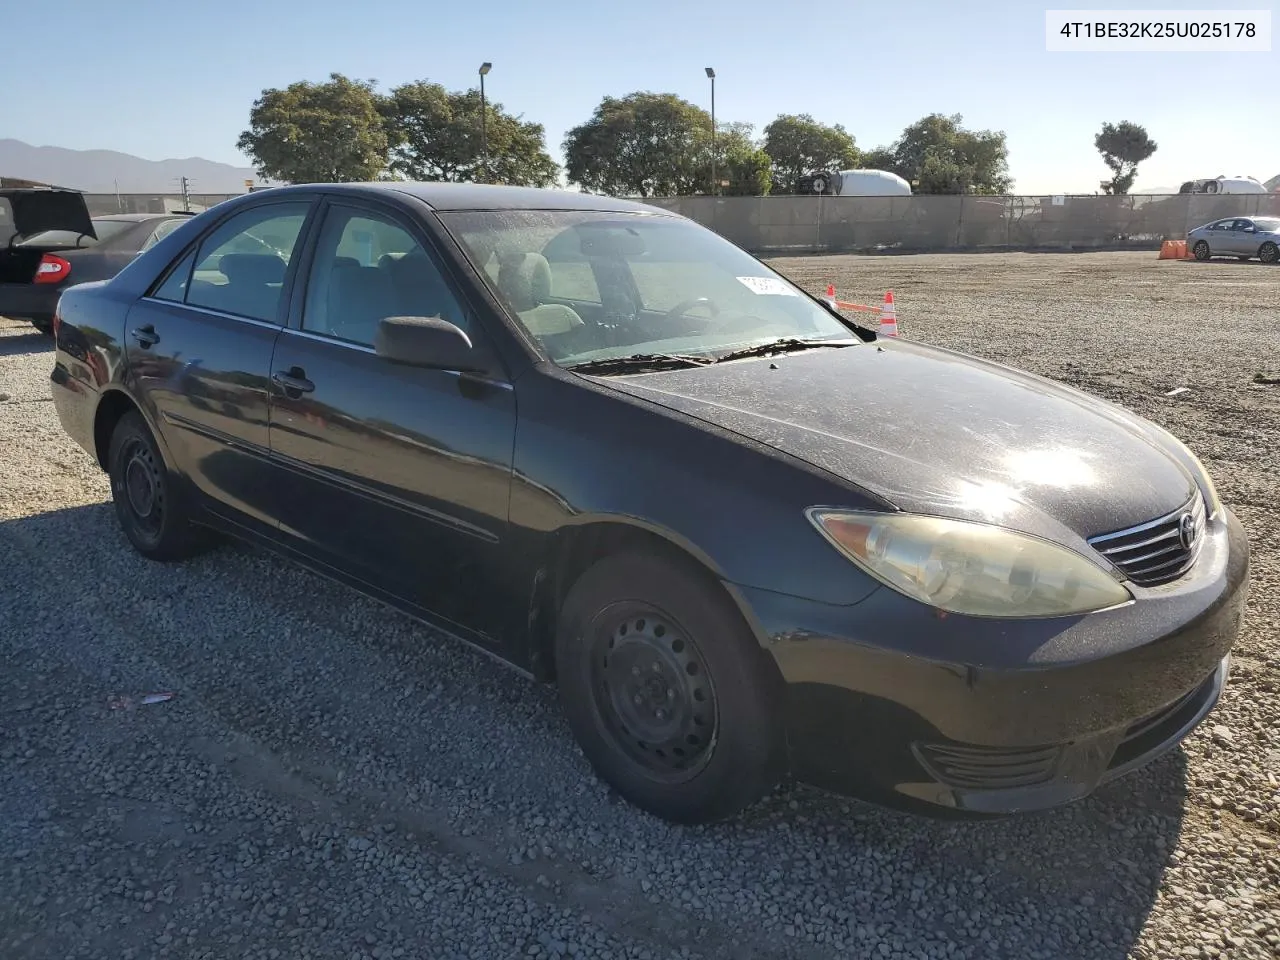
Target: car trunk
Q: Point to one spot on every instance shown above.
(29, 212)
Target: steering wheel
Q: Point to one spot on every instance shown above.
(684, 306)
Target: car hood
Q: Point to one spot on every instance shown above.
(35, 210)
(941, 433)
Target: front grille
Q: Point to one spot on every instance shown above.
(1158, 551)
(990, 769)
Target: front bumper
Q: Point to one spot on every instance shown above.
(896, 703)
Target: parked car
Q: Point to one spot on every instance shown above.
(1242, 237)
(605, 445)
(55, 245)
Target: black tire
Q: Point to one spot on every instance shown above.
(1201, 250)
(721, 744)
(1269, 253)
(148, 501)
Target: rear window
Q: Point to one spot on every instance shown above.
(105, 229)
(1268, 224)
(6, 221)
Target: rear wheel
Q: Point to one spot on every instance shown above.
(148, 503)
(1201, 250)
(668, 693)
(1269, 253)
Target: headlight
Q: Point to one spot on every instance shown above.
(969, 568)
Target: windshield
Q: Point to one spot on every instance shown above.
(1267, 224)
(594, 286)
(105, 229)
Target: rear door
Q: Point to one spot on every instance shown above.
(199, 348)
(397, 476)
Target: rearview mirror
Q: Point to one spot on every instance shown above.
(426, 342)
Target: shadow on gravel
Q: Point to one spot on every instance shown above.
(23, 343)
(400, 730)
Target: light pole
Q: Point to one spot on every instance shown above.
(484, 121)
(711, 75)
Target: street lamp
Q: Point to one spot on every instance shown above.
(711, 75)
(484, 121)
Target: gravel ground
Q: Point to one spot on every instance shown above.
(333, 780)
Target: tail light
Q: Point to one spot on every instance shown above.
(52, 269)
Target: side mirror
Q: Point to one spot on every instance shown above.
(426, 342)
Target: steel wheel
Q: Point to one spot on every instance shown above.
(1201, 250)
(653, 692)
(1269, 253)
(143, 481)
(148, 505)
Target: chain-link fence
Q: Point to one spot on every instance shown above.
(105, 204)
(921, 223)
(935, 223)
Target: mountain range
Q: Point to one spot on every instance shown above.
(107, 171)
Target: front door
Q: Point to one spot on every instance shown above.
(199, 349)
(399, 476)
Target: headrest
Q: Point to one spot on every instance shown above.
(525, 279)
(255, 268)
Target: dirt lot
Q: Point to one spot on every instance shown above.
(332, 780)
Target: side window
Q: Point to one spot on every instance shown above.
(1223, 225)
(367, 268)
(175, 285)
(1243, 225)
(240, 267)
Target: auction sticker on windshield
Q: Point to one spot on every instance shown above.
(768, 285)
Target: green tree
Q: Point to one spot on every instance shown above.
(1123, 146)
(740, 162)
(643, 144)
(799, 146)
(317, 132)
(940, 156)
(435, 134)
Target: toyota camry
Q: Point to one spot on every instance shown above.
(747, 538)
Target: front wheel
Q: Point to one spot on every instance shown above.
(1269, 253)
(147, 500)
(1201, 250)
(670, 696)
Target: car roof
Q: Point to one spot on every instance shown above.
(480, 196)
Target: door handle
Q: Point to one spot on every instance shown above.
(145, 335)
(293, 381)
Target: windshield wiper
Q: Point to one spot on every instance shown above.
(637, 362)
(784, 345)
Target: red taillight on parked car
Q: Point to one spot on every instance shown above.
(52, 269)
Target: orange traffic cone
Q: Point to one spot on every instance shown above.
(888, 316)
(831, 295)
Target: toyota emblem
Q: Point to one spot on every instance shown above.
(1187, 531)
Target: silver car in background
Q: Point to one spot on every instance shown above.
(1242, 237)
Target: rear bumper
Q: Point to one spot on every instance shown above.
(76, 403)
(1022, 715)
(26, 301)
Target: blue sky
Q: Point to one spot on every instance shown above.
(159, 79)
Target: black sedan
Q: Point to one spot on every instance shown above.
(745, 536)
(36, 267)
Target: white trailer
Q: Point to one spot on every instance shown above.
(1217, 185)
(861, 183)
